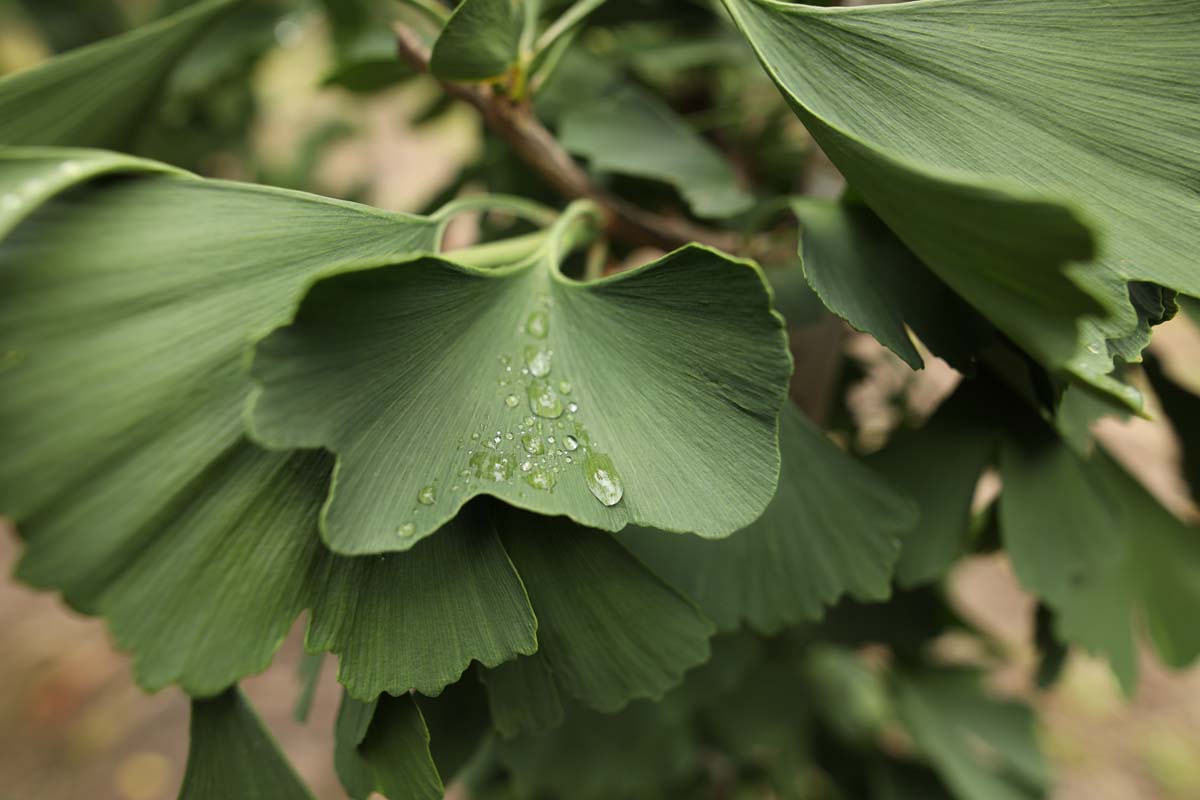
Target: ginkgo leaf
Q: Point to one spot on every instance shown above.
(939, 466)
(451, 600)
(480, 42)
(1144, 565)
(866, 276)
(983, 133)
(383, 746)
(522, 696)
(604, 401)
(631, 132)
(125, 311)
(627, 635)
(985, 749)
(96, 95)
(231, 754)
(830, 530)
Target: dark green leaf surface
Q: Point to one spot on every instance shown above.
(522, 696)
(983, 748)
(939, 466)
(96, 95)
(608, 629)
(866, 276)
(1131, 560)
(125, 310)
(416, 620)
(982, 133)
(433, 383)
(383, 746)
(831, 530)
(232, 755)
(630, 131)
(480, 42)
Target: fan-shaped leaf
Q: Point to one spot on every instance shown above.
(232, 755)
(604, 401)
(448, 601)
(95, 96)
(480, 42)
(830, 530)
(383, 746)
(975, 128)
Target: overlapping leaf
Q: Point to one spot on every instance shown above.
(983, 133)
(480, 42)
(383, 746)
(831, 530)
(433, 383)
(231, 754)
(94, 96)
(866, 276)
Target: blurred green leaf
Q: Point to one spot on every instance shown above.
(480, 42)
(97, 95)
(231, 755)
(383, 746)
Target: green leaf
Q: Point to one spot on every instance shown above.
(480, 42)
(896, 94)
(450, 600)
(938, 465)
(831, 530)
(601, 756)
(983, 748)
(383, 746)
(1132, 559)
(232, 755)
(630, 131)
(96, 95)
(209, 597)
(146, 291)
(608, 629)
(31, 176)
(522, 696)
(413, 377)
(866, 276)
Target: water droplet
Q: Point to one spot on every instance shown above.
(541, 479)
(538, 324)
(550, 439)
(464, 473)
(571, 443)
(572, 406)
(505, 360)
(508, 437)
(10, 202)
(406, 530)
(533, 444)
(427, 495)
(538, 361)
(1094, 349)
(529, 422)
(569, 460)
(475, 436)
(512, 401)
(544, 401)
(492, 466)
(456, 488)
(564, 387)
(602, 479)
(526, 466)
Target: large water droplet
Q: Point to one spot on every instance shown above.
(492, 466)
(427, 495)
(533, 444)
(512, 401)
(538, 361)
(406, 530)
(541, 479)
(571, 443)
(538, 324)
(602, 479)
(544, 401)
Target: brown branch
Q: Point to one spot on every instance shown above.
(538, 148)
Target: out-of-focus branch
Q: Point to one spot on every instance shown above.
(538, 148)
